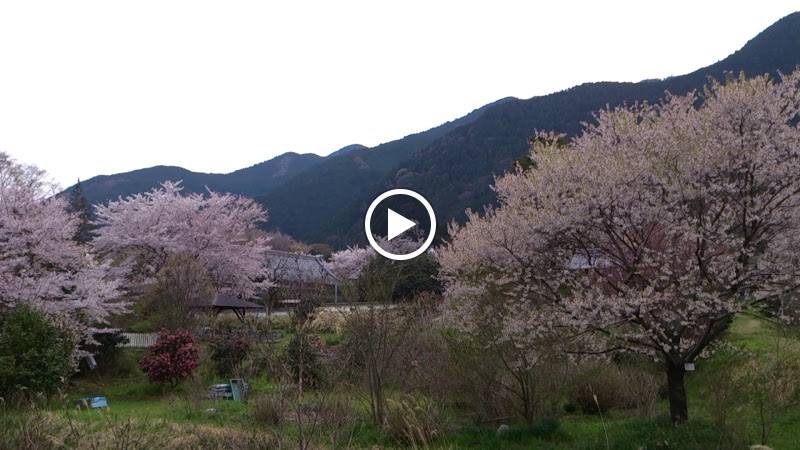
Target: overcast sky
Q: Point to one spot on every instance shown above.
(100, 87)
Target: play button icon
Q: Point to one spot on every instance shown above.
(397, 224)
(401, 231)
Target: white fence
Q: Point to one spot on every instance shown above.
(140, 340)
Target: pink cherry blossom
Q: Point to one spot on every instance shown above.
(39, 261)
(647, 233)
(147, 229)
(347, 264)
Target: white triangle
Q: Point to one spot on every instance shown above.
(398, 224)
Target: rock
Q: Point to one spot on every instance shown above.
(503, 430)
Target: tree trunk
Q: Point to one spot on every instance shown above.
(676, 391)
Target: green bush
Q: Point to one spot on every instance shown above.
(37, 353)
(419, 275)
(229, 351)
(545, 427)
(302, 357)
(570, 408)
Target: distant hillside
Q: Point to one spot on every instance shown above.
(251, 181)
(346, 172)
(348, 148)
(302, 205)
(455, 171)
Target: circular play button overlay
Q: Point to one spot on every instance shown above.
(399, 221)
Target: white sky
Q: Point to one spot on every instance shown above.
(100, 87)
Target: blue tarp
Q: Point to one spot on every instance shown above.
(92, 402)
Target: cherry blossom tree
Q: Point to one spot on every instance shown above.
(39, 261)
(148, 229)
(648, 233)
(347, 264)
(26, 177)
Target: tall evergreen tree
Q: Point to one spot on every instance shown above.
(79, 206)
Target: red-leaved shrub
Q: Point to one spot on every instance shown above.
(172, 359)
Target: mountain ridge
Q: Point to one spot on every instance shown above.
(270, 173)
(323, 189)
(323, 199)
(455, 172)
(263, 177)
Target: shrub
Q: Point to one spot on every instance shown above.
(640, 390)
(270, 408)
(419, 275)
(263, 360)
(173, 358)
(598, 389)
(302, 358)
(546, 427)
(498, 381)
(304, 311)
(627, 384)
(326, 418)
(352, 352)
(37, 353)
(570, 408)
(225, 323)
(334, 414)
(423, 365)
(229, 351)
(772, 384)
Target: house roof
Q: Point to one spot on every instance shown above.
(222, 301)
(287, 266)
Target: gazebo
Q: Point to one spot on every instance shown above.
(222, 302)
